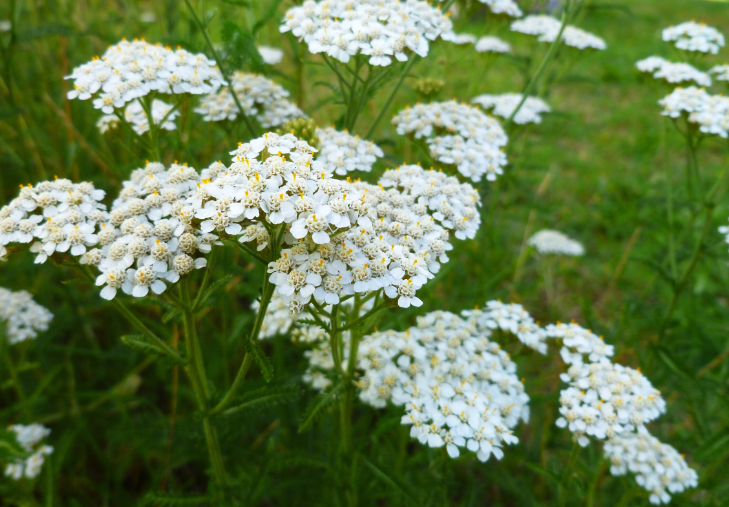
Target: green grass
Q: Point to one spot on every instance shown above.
(596, 169)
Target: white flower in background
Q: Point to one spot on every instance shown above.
(490, 44)
(457, 134)
(342, 152)
(134, 114)
(5, 25)
(29, 437)
(56, 216)
(147, 17)
(554, 242)
(130, 70)
(462, 38)
(658, 467)
(260, 98)
(270, 55)
(692, 36)
(505, 104)
(546, 29)
(151, 235)
(673, 72)
(23, 317)
(278, 319)
(506, 7)
(710, 112)
(378, 28)
(720, 72)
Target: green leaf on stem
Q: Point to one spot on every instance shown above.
(212, 288)
(240, 46)
(144, 344)
(318, 405)
(390, 480)
(263, 398)
(261, 359)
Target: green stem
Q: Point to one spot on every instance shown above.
(411, 62)
(14, 376)
(134, 321)
(542, 66)
(567, 477)
(219, 62)
(669, 201)
(206, 279)
(253, 253)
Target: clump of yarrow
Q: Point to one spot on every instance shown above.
(23, 317)
(709, 112)
(163, 115)
(54, 217)
(548, 242)
(259, 97)
(491, 44)
(129, 71)
(695, 37)
(505, 7)
(673, 73)
(29, 438)
(505, 104)
(270, 55)
(546, 28)
(459, 135)
(342, 152)
(379, 29)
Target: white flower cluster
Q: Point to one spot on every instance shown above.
(342, 152)
(24, 318)
(491, 44)
(547, 28)
(673, 72)
(134, 115)
(505, 104)
(260, 98)
(130, 70)
(462, 38)
(380, 29)
(692, 36)
(150, 235)
(710, 112)
(58, 216)
(659, 468)
(270, 55)
(278, 318)
(554, 242)
(29, 437)
(506, 7)
(512, 318)
(720, 72)
(602, 399)
(457, 134)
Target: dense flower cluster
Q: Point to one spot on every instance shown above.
(130, 70)
(23, 317)
(720, 72)
(29, 437)
(491, 44)
(462, 38)
(381, 29)
(150, 236)
(512, 318)
(504, 105)
(135, 115)
(554, 242)
(546, 29)
(692, 36)
(270, 55)
(673, 72)
(457, 134)
(659, 468)
(342, 152)
(57, 216)
(278, 318)
(259, 97)
(710, 112)
(506, 7)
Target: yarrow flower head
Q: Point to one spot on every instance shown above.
(28, 438)
(554, 242)
(342, 152)
(56, 216)
(381, 29)
(259, 97)
(692, 36)
(720, 72)
(512, 318)
(673, 72)
(546, 28)
(658, 467)
(504, 105)
(709, 112)
(462, 38)
(505, 7)
(151, 235)
(131, 70)
(457, 134)
(23, 317)
(135, 115)
(270, 55)
(491, 44)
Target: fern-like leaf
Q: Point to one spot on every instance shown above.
(261, 359)
(143, 344)
(318, 405)
(212, 288)
(265, 397)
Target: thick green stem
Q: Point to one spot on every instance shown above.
(542, 66)
(134, 321)
(567, 477)
(411, 62)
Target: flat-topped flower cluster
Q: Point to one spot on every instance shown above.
(504, 105)
(549, 242)
(260, 98)
(381, 29)
(696, 105)
(29, 437)
(695, 37)
(23, 317)
(546, 28)
(343, 152)
(457, 134)
(131, 70)
(673, 73)
(163, 115)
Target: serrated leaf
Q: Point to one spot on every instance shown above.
(169, 315)
(317, 405)
(270, 13)
(264, 398)
(212, 288)
(142, 343)
(390, 480)
(173, 500)
(261, 359)
(241, 48)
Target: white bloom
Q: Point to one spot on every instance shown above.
(29, 437)
(673, 72)
(554, 242)
(710, 112)
(22, 316)
(462, 38)
(490, 44)
(137, 118)
(720, 72)
(342, 153)
(270, 56)
(692, 36)
(546, 29)
(506, 7)
(505, 104)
